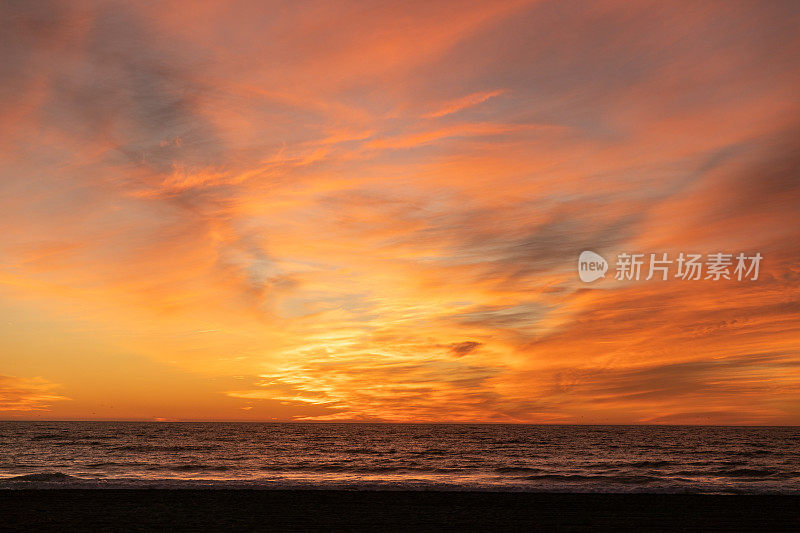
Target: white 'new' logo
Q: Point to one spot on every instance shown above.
(591, 266)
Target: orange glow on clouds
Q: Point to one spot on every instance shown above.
(357, 211)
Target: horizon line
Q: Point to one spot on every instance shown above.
(385, 422)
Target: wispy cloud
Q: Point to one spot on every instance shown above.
(376, 209)
(464, 102)
(27, 394)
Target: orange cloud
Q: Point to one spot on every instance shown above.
(27, 394)
(326, 215)
(464, 102)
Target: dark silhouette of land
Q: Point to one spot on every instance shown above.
(292, 510)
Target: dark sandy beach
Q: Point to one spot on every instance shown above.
(263, 510)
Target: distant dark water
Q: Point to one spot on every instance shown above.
(402, 456)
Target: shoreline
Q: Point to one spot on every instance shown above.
(59, 481)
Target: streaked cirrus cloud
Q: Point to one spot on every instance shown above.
(373, 211)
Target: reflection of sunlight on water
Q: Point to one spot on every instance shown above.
(499, 457)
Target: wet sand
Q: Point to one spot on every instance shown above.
(282, 510)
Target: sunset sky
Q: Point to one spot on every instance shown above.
(374, 210)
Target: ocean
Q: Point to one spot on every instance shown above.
(496, 457)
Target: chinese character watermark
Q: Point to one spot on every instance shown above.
(660, 266)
